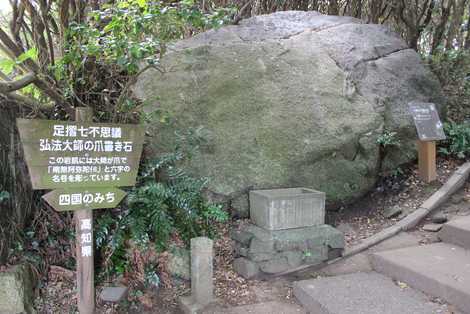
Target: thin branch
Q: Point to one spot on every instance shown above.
(44, 15)
(132, 81)
(11, 86)
(45, 86)
(26, 101)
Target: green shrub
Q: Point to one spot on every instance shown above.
(104, 55)
(388, 138)
(458, 139)
(158, 209)
(452, 68)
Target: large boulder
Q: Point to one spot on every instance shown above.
(290, 99)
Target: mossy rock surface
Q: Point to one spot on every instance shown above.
(17, 290)
(289, 99)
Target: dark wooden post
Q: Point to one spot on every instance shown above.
(84, 244)
(427, 160)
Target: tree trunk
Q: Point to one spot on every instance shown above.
(467, 37)
(441, 26)
(455, 23)
(333, 7)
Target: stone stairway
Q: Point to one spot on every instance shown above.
(439, 270)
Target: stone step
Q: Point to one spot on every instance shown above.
(457, 232)
(271, 307)
(440, 269)
(365, 293)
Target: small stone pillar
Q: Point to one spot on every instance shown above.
(202, 287)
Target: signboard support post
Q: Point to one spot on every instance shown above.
(427, 160)
(430, 129)
(83, 163)
(84, 244)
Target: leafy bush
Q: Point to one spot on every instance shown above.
(388, 138)
(159, 209)
(458, 139)
(452, 67)
(4, 195)
(104, 55)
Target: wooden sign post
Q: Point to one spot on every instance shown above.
(429, 129)
(83, 162)
(84, 244)
(427, 160)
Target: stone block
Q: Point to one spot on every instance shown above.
(240, 206)
(202, 286)
(334, 238)
(432, 227)
(296, 239)
(240, 250)
(276, 251)
(287, 208)
(259, 257)
(259, 246)
(16, 290)
(294, 258)
(201, 270)
(361, 293)
(316, 256)
(274, 266)
(243, 237)
(113, 294)
(334, 253)
(246, 268)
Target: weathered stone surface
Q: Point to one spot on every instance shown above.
(365, 293)
(439, 218)
(16, 290)
(392, 212)
(260, 257)
(274, 266)
(280, 209)
(246, 268)
(338, 81)
(438, 269)
(277, 251)
(202, 286)
(272, 307)
(294, 258)
(432, 227)
(241, 236)
(457, 232)
(335, 253)
(240, 250)
(345, 228)
(316, 256)
(295, 239)
(457, 198)
(113, 294)
(179, 264)
(240, 206)
(260, 246)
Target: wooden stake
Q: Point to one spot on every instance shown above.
(84, 244)
(427, 160)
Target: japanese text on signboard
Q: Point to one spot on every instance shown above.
(83, 154)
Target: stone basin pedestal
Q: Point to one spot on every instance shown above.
(288, 231)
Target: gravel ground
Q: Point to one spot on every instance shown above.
(358, 221)
(404, 191)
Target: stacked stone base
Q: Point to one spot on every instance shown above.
(262, 252)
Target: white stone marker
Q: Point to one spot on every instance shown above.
(202, 287)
